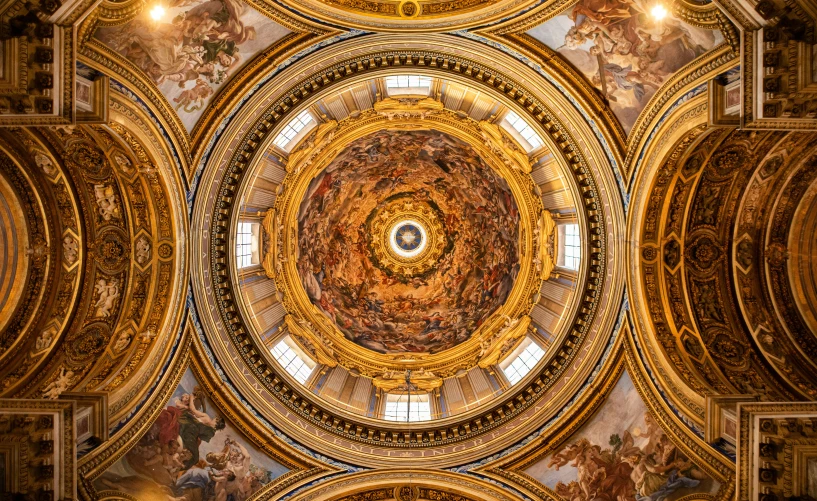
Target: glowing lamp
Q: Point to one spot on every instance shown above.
(157, 13)
(659, 12)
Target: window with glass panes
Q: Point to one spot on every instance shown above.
(404, 407)
(407, 81)
(524, 129)
(291, 362)
(572, 247)
(243, 245)
(293, 128)
(523, 364)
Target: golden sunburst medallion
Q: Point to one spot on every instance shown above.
(407, 236)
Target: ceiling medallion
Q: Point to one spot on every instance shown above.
(407, 237)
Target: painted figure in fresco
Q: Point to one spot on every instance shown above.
(628, 54)
(172, 463)
(625, 471)
(200, 46)
(376, 307)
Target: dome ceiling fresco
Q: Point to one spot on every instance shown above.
(393, 190)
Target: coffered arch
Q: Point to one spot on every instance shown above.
(708, 327)
(116, 210)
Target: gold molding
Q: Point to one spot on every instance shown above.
(446, 481)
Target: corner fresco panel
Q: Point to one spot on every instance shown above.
(621, 454)
(196, 48)
(189, 453)
(624, 52)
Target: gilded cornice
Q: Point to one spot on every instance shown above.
(418, 16)
(331, 429)
(684, 126)
(354, 487)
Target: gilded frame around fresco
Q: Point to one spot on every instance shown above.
(309, 322)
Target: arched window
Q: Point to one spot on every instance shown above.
(293, 360)
(404, 407)
(523, 359)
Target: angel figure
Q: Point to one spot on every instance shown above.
(142, 250)
(122, 342)
(56, 387)
(44, 163)
(44, 340)
(106, 200)
(70, 249)
(108, 291)
(123, 162)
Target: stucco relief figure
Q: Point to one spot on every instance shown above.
(44, 340)
(147, 336)
(70, 249)
(59, 385)
(142, 250)
(108, 292)
(44, 163)
(623, 50)
(122, 341)
(106, 201)
(191, 452)
(123, 162)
